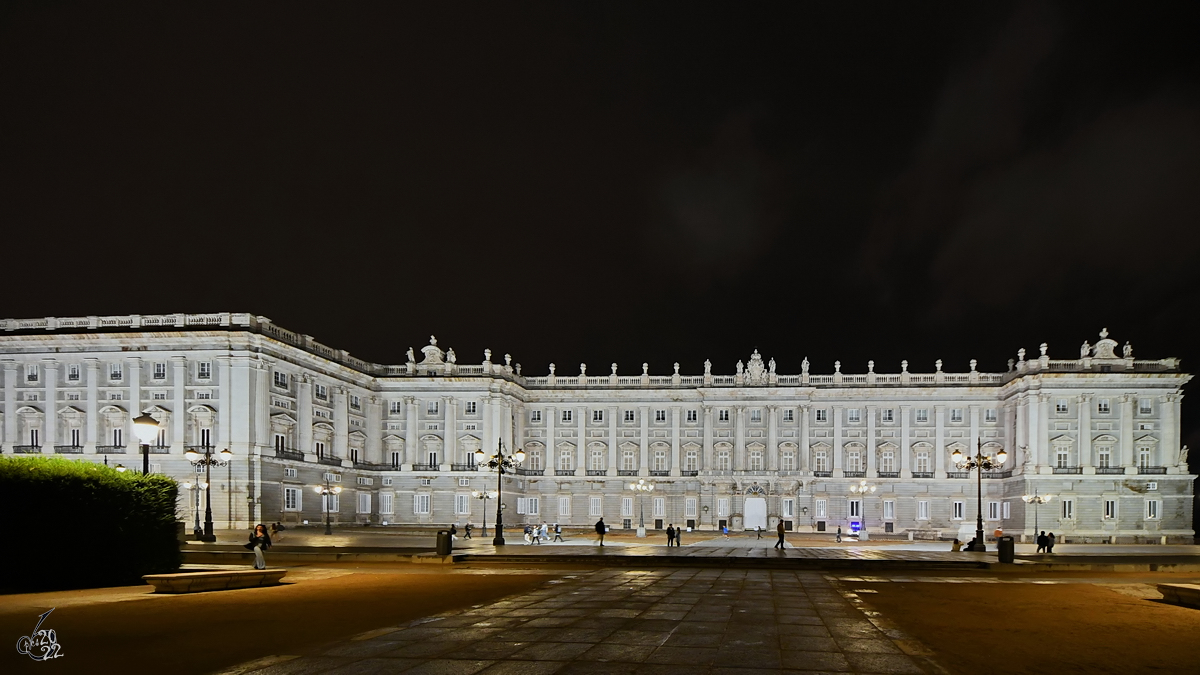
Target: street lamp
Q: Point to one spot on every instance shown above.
(145, 428)
(484, 495)
(501, 463)
(208, 461)
(641, 487)
(195, 489)
(979, 462)
(862, 488)
(1037, 500)
(325, 491)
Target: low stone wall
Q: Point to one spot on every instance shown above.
(221, 580)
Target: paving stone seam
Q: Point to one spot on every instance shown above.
(904, 642)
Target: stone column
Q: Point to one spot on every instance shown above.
(708, 439)
(939, 441)
(1085, 434)
(1043, 433)
(10, 403)
(341, 423)
(411, 440)
(304, 417)
(262, 405)
(510, 421)
(581, 441)
(772, 438)
(1168, 451)
(644, 451)
(871, 465)
(974, 439)
(179, 396)
(51, 431)
(550, 461)
(224, 411)
(675, 412)
(93, 404)
(450, 433)
(804, 461)
(739, 438)
(613, 411)
(838, 451)
(905, 442)
(1021, 433)
(135, 397)
(374, 430)
(1126, 447)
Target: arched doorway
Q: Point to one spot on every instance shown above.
(755, 508)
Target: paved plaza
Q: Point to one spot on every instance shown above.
(684, 621)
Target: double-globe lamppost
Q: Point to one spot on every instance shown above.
(502, 464)
(863, 489)
(326, 493)
(980, 463)
(208, 459)
(195, 489)
(641, 487)
(1037, 500)
(484, 495)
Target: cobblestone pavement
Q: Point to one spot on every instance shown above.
(684, 621)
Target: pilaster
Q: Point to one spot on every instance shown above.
(644, 451)
(581, 441)
(837, 450)
(304, 418)
(905, 443)
(1085, 434)
(772, 438)
(675, 466)
(50, 435)
(871, 459)
(611, 467)
(939, 441)
(804, 462)
(179, 396)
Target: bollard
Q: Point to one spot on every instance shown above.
(445, 543)
(1005, 548)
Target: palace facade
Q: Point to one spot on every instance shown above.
(1099, 432)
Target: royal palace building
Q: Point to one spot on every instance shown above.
(1100, 432)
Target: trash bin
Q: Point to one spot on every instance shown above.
(1004, 547)
(445, 543)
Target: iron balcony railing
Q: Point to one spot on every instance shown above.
(1110, 470)
(69, 449)
(564, 472)
(922, 474)
(660, 473)
(288, 453)
(27, 449)
(330, 461)
(1152, 469)
(958, 474)
(372, 466)
(1068, 469)
(425, 467)
(889, 474)
(689, 473)
(854, 474)
(110, 449)
(462, 467)
(823, 474)
(627, 472)
(530, 472)
(597, 472)
(160, 449)
(998, 474)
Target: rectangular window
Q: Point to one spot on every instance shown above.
(466, 482)
(1110, 509)
(1068, 509)
(535, 416)
(853, 416)
(363, 480)
(889, 509)
(958, 510)
(820, 507)
(660, 507)
(160, 371)
(789, 508)
(425, 481)
(31, 372)
(532, 505)
(462, 505)
(289, 473)
(660, 415)
(922, 415)
(756, 415)
(822, 415)
(626, 507)
(385, 503)
(1144, 406)
(281, 379)
(723, 507)
(567, 415)
(1152, 509)
(1005, 512)
(989, 415)
(204, 370)
(471, 408)
(993, 510)
(956, 415)
(114, 371)
(321, 392)
(318, 447)
(291, 499)
(118, 437)
(1103, 406)
(158, 396)
(922, 510)
(629, 416)
(689, 507)
(889, 415)
(364, 502)
(597, 415)
(396, 407)
(723, 415)
(333, 477)
(421, 505)
(1104, 456)
(855, 508)
(73, 373)
(564, 506)
(331, 504)
(355, 402)
(432, 407)
(117, 396)
(1062, 456)
(1061, 406)
(789, 415)
(691, 415)
(595, 506)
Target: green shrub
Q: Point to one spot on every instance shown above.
(80, 524)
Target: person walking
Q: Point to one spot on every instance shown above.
(259, 542)
(670, 534)
(453, 532)
(544, 532)
(601, 529)
(467, 530)
(678, 536)
(779, 530)
(1050, 543)
(725, 531)
(558, 532)
(838, 538)
(758, 531)
(528, 534)
(1041, 542)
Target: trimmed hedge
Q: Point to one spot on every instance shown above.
(71, 524)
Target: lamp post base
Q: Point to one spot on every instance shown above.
(497, 540)
(862, 535)
(207, 538)
(641, 531)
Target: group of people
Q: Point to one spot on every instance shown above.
(1045, 542)
(674, 536)
(537, 535)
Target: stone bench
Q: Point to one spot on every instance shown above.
(220, 580)
(1187, 595)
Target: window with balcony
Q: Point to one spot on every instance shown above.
(73, 373)
(888, 415)
(789, 415)
(321, 392)
(723, 461)
(756, 460)
(433, 407)
(660, 460)
(281, 379)
(1062, 406)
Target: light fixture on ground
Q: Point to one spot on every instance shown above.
(145, 428)
(864, 489)
(1037, 500)
(641, 487)
(208, 459)
(501, 463)
(195, 489)
(484, 495)
(979, 462)
(326, 493)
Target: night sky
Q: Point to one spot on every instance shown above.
(630, 182)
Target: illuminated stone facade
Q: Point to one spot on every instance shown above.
(1100, 432)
